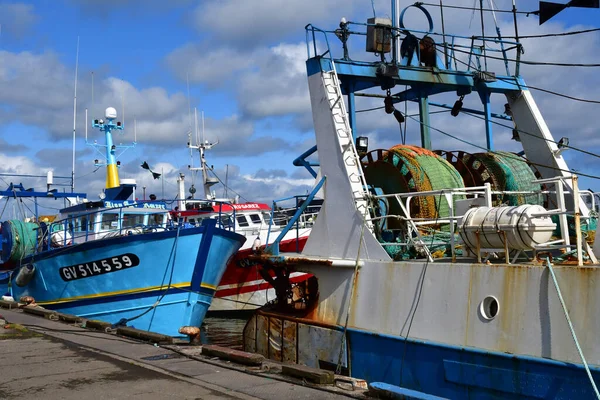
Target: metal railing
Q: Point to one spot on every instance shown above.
(415, 226)
(70, 230)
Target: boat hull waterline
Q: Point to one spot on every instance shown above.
(156, 282)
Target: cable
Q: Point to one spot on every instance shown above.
(515, 157)
(125, 321)
(546, 35)
(531, 134)
(542, 63)
(557, 94)
(338, 368)
(420, 289)
(533, 87)
(566, 312)
(476, 8)
(228, 188)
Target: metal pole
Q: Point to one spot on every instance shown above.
(514, 10)
(577, 221)
(424, 117)
(482, 35)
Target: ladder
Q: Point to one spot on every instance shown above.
(345, 140)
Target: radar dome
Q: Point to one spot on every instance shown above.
(110, 113)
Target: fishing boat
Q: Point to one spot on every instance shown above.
(438, 273)
(243, 286)
(118, 259)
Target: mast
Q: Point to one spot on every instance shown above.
(112, 173)
(75, 116)
(207, 181)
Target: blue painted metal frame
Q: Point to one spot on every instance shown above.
(300, 161)
(20, 191)
(424, 81)
(273, 248)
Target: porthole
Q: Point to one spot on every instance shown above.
(489, 308)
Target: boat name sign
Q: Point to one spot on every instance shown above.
(128, 203)
(99, 267)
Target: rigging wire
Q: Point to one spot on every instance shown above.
(527, 62)
(478, 9)
(420, 289)
(566, 96)
(544, 35)
(515, 157)
(539, 89)
(532, 134)
(228, 188)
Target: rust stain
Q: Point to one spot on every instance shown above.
(302, 320)
(267, 259)
(467, 326)
(290, 341)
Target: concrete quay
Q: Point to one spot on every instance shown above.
(40, 356)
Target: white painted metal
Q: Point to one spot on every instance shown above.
(523, 227)
(530, 321)
(336, 233)
(538, 143)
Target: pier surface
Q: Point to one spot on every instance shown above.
(61, 361)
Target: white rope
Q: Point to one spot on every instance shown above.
(562, 302)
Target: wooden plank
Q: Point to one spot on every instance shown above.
(69, 318)
(41, 312)
(9, 304)
(99, 325)
(144, 335)
(240, 357)
(315, 375)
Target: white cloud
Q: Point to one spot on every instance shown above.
(202, 63)
(257, 22)
(277, 84)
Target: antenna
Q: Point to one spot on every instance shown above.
(226, 178)
(187, 78)
(93, 92)
(202, 126)
(196, 125)
(75, 117)
(123, 102)
(197, 130)
(86, 124)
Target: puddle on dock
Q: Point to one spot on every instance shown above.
(226, 332)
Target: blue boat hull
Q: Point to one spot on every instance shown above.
(462, 372)
(156, 282)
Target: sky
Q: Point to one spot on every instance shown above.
(240, 65)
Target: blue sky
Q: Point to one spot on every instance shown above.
(245, 65)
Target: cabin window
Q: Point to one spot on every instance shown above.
(242, 221)
(267, 217)
(131, 220)
(109, 221)
(255, 218)
(225, 221)
(156, 219)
